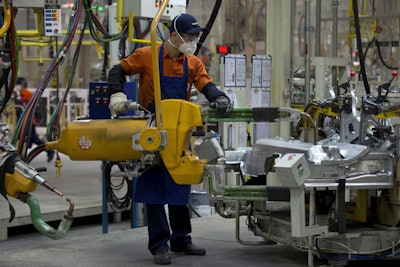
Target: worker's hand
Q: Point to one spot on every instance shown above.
(222, 105)
(118, 104)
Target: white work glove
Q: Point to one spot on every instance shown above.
(118, 104)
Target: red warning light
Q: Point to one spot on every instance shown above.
(223, 49)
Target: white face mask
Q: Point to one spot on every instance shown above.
(188, 47)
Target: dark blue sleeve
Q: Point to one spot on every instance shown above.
(211, 92)
(116, 80)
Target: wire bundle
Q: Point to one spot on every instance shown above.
(24, 124)
(115, 200)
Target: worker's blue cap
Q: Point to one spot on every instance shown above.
(185, 23)
(20, 80)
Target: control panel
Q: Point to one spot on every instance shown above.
(52, 20)
(98, 99)
(148, 8)
(292, 169)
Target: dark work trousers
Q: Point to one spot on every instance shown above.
(159, 230)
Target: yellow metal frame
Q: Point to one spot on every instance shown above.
(130, 32)
(7, 19)
(182, 165)
(182, 116)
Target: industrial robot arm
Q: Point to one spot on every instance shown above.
(18, 179)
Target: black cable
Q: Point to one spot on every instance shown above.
(209, 25)
(381, 58)
(376, 42)
(5, 75)
(115, 200)
(359, 46)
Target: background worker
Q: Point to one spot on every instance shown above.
(25, 95)
(179, 70)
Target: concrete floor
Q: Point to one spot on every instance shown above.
(128, 247)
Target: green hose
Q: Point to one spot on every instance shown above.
(242, 114)
(42, 226)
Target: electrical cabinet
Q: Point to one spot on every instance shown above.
(292, 169)
(27, 3)
(149, 8)
(98, 99)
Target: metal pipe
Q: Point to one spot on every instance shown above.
(311, 218)
(237, 229)
(211, 185)
(318, 28)
(40, 44)
(335, 11)
(36, 33)
(307, 61)
(292, 27)
(41, 225)
(313, 124)
(154, 60)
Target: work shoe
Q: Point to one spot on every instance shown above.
(190, 250)
(162, 257)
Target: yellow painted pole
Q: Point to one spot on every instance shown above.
(36, 33)
(130, 25)
(120, 9)
(154, 59)
(7, 20)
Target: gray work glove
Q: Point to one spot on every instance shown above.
(222, 105)
(118, 104)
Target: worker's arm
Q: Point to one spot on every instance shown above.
(218, 99)
(116, 80)
(115, 87)
(203, 82)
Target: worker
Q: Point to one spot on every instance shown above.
(179, 70)
(25, 95)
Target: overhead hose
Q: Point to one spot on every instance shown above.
(24, 124)
(209, 25)
(41, 225)
(53, 127)
(359, 47)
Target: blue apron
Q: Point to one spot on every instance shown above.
(155, 185)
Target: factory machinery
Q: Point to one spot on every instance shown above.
(332, 192)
